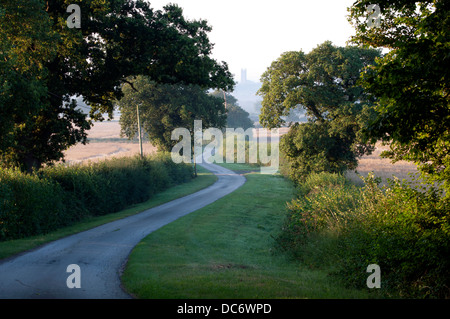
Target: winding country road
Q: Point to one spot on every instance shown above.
(101, 252)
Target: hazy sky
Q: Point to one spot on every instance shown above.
(252, 33)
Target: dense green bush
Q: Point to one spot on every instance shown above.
(407, 233)
(53, 197)
(29, 205)
(403, 230)
(315, 147)
(319, 211)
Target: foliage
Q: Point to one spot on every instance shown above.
(330, 146)
(53, 197)
(164, 108)
(295, 115)
(404, 230)
(411, 82)
(237, 117)
(29, 205)
(319, 82)
(117, 39)
(26, 41)
(323, 82)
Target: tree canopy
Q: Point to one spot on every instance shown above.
(324, 83)
(319, 82)
(44, 63)
(165, 107)
(411, 82)
(237, 117)
(26, 42)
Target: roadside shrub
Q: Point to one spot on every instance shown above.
(407, 233)
(315, 147)
(29, 205)
(403, 230)
(32, 204)
(320, 209)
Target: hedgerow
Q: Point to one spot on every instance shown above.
(58, 196)
(335, 224)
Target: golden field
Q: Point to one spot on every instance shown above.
(382, 167)
(101, 146)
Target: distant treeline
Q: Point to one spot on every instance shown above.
(59, 196)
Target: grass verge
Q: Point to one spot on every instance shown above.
(226, 250)
(204, 179)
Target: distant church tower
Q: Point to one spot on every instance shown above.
(243, 75)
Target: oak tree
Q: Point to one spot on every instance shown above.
(324, 83)
(165, 107)
(411, 82)
(116, 40)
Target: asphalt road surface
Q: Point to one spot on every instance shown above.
(101, 252)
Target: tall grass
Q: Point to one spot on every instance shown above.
(333, 223)
(58, 196)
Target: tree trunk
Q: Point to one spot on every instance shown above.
(31, 163)
(195, 162)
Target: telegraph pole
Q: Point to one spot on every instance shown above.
(139, 131)
(225, 99)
